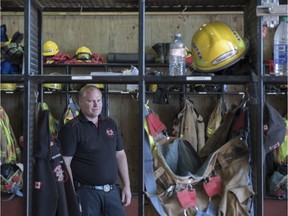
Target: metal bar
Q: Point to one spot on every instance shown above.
(26, 114)
(31, 65)
(259, 121)
(154, 13)
(141, 106)
(272, 10)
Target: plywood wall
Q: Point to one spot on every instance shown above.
(118, 33)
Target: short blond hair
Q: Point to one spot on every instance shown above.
(86, 87)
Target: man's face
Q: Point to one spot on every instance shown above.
(91, 103)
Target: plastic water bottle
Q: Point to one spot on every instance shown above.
(177, 64)
(281, 48)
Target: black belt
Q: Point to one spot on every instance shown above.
(105, 188)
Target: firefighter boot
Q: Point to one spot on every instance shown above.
(166, 52)
(159, 49)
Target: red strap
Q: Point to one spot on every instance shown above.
(154, 124)
(213, 186)
(187, 198)
(278, 192)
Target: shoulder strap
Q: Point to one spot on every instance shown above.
(149, 178)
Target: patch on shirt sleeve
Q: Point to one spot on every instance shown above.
(109, 132)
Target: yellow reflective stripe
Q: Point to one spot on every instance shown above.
(150, 137)
(210, 131)
(52, 121)
(9, 152)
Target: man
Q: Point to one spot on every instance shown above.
(93, 151)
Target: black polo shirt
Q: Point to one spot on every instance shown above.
(93, 149)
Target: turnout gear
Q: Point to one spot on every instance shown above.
(56, 59)
(216, 46)
(187, 187)
(7, 42)
(11, 157)
(8, 86)
(8, 68)
(50, 48)
(13, 50)
(281, 153)
(215, 117)
(52, 190)
(191, 126)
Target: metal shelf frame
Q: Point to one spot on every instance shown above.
(31, 78)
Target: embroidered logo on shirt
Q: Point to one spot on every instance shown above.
(109, 132)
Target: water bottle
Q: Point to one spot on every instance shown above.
(177, 53)
(281, 48)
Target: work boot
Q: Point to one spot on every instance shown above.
(159, 49)
(166, 52)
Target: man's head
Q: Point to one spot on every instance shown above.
(90, 101)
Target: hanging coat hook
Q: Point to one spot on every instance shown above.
(81, 9)
(180, 15)
(36, 93)
(135, 97)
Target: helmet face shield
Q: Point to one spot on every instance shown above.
(83, 53)
(83, 56)
(216, 46)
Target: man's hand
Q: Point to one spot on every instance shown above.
(126, 196)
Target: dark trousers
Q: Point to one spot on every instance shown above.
(100, 203)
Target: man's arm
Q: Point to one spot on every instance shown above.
(124, 175)
(67, 161)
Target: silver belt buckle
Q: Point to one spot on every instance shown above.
(106, 188)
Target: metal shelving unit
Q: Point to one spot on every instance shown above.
(33, 11)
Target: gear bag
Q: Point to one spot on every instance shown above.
(220, 185)
(11, 158)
